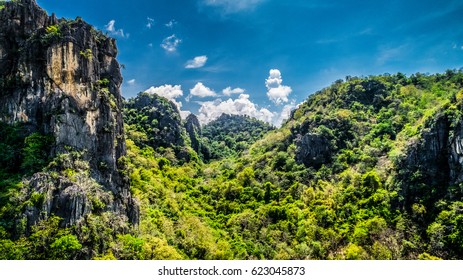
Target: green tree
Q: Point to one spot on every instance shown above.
(65, 247)
(36, 152)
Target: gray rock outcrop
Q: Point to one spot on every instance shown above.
(61, 78)
(193, 128)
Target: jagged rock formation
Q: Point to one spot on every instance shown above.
(61, 78)
(193, 128)
(159, 120)
(313, 149)
(433, 162)
(456, 154)
(316, 143)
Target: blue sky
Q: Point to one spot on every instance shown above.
(263, 57)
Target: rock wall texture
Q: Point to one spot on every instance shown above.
(61, 77)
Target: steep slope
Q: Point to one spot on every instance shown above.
(368, 168)
(193, 128)
(59, 94)
(155, 121)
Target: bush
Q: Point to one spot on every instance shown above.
(35, 153)
(52, 34)
(65, 247)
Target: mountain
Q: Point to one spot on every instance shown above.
(231, 134)
(155, 121)
(62, 129)
(368, 168)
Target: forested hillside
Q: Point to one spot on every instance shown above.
(368, 168)
(230, 135)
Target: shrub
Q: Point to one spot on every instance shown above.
(35, 153)
(52, 33)
(65, 247)
(87, 53)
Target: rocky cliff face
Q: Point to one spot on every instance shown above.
(431, 168)
(456, 154)
(313, 149)
(424, 171)
(193, 128)
(159, 120)
(61, 78)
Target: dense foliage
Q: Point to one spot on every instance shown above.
(230, 135)
(368, 168)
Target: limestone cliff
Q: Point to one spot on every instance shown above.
(159, 120)
(61, 78)
(432, 165)
(193, 128)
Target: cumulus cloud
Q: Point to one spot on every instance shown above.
(285, 114)
(233, 6)
(171, 43)
(168, 91)
(150, 22)
(200, 90)
(229, 91)
(131, 82)
(212, 110)
(277, 92)
(196, 62)
(110, 27)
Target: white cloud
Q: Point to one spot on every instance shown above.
(229, 91)
(110, 27)
(168, 91)
(171, 23)
(233, 6)
(171, 43)
(184, 114)
(277, 92)
(212, 110)
(279, 95)
(202, 91)
(150, 22)
(197, 62)
(285, 114)
(131, 82)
